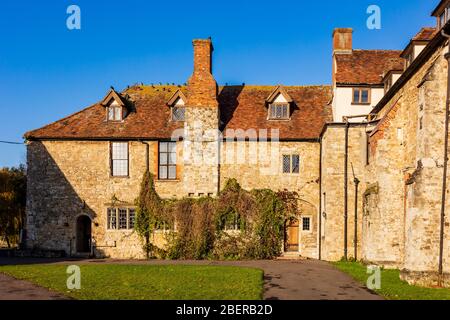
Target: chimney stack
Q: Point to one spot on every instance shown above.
(202, 87)
(342, 40)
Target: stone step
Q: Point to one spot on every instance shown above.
(291, 256)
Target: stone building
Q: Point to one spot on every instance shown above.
(366, 156)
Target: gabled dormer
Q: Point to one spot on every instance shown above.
(177, 105)
(279, 104)
(116, 107)
(417, 44)
(390, 78)
(442, 13)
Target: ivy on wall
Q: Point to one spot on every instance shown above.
(238, 224)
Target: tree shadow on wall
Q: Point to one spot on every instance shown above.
(55, 207)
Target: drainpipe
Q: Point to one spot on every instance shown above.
(444, 176)
(356, 180)
(320, 200)
(347, 125)
(147, 155)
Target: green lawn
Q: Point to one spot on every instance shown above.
(144, 282)
(391, 286)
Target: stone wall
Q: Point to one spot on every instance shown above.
(333, 192)
(72, 178)
(67, 179)
(258, 165)
(406, 157)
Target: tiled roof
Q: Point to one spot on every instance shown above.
(366, 66)
(425, 34)
(241, 108)
(245, 109)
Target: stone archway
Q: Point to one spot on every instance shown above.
(83, 234)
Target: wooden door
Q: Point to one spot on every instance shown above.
(292, 236)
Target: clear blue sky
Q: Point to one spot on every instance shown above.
(48, 72)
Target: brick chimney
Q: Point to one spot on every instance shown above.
(342, 40)
(202, 87)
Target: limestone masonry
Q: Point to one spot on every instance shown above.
(366, 156)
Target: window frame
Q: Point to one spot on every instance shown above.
(116, 211)
(167, 165)
(291, 164)
(111, 160)
(309, 219)
(359, 102)
(172, 113)
(280, 105)
(114, 108)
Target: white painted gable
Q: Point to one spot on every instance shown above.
(280, 99)
(179, 103)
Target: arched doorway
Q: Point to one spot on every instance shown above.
(292, 235)
(84, 230)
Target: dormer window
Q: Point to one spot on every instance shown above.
(115, 112)
(177, 104)
(442, 13)
(279, 105)
(390, 78)
(115, 105)
(279, 111)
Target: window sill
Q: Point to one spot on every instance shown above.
(361, 104)
(167, 181)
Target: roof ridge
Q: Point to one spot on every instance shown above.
(377, 50)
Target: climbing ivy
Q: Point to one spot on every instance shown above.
(238, 224)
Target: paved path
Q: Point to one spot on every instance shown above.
(13, 289)
(284, 280)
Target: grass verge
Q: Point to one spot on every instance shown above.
(143, 282)
(392, 287)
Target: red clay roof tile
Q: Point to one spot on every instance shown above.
(241, 108)
(366, 67)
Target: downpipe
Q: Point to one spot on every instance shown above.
(347, 125)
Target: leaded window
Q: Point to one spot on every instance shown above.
(178, 113)
(291, 164)
(123, 219)
(279, 111)
(306, 223)
(131, 218)
(112, 219)
(167, 160)
(120, 218)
